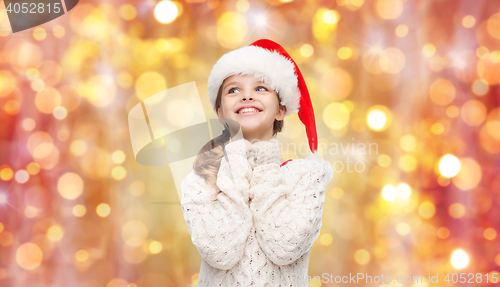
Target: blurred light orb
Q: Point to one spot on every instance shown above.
(330, 17)
(437, 128)
(81, 255)
(118, 173)
(22, 176)
(78, 147)
(118, 156)
(490, 233)
(231, 29)
(389, 192)
(456, 210)
(452, 111)
(442, 92)
(469, 175)
(70, 185)
(336, 116)
(166, 12)
(403, 228)
(47, 100)
(468, 21)
(344, 53)
(155, 247)
(443, 232)
(60, 113)
(378, 118)
(408, 143)
(482, 52)
(449, 165)
(389, 9)
(55, 233)
(384, 160)
(306, 50)
(459, 259)
(29, 256)
(362, 256)
(480, 87)
(493, 26)
(134, 233)
(473, 113)
(404, 190)
(33, 168)
(401, 30)
(128, 12)
(79, 210)
(6, 174)
(429, 50)
(427, 209)
(30, 211)
(337, 83)
(407, 163)
(326, 239)
(149, 84)
(28, 124)
(103, 210)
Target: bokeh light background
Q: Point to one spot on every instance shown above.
(419, 79)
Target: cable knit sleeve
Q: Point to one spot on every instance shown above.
(287, 205)
(220, 221)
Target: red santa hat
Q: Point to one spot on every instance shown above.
(269, 61)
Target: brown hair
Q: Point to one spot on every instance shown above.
(207, 162)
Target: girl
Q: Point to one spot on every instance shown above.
(253, 217)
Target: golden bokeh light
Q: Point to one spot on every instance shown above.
(389, 9)
(384, 160)
(456, 210)
(442, 92)
(449, 165)
(326, 239)
(407, 163)
(459, 259)
(469, 176)
(81, 255)
(452, 111)
(231, 29)
(468, 21)
(443, 232)
(403, 228)
(336, 116)
(337, 83)
(127, 12)
(103, 210)
(29, 256)
(29, 124)
(79, 210)
(337, 192)
(306, 50)
(47, 100)
(155, 247)
(389, 192)
(134, 233)
(362, 256)
(437, 128)
(378, 118)
(55, 233)
(148, 84)
(344, 53)
(408, 143)
(6, 174)
(473, 113)
(401, 30)
(78, 147)
(166, 12)
(427, 209)
(33, 168)
(70, 185)
(392, 60)
(480, 87)
(490, 233)
(429, 50)
(118, 173)
(118, 156)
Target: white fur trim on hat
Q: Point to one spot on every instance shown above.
(269, 66)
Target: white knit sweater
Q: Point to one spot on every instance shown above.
(256, 227)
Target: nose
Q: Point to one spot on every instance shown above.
(247, 95)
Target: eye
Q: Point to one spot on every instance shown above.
(229, 92)
(265, 89)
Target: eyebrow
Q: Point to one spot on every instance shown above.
(224, 88)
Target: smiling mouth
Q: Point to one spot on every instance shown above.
(248, 111)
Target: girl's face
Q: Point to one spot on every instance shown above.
(240, 91)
